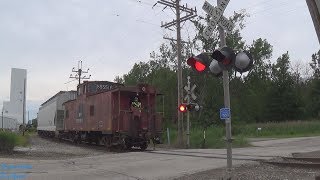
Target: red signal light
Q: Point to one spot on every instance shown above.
(199, 62)
(226, 62)
(199, 66)
(182, 108)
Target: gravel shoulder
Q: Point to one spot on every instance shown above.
(49, 149)
(256, 171)
(262, 171)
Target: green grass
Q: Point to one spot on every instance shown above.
(173, 135)
(240, 132)
(282, 129)
(8, 140)
(23, 140)
(214, 138)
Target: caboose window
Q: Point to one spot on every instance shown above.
(91, 110)
(80, 111)
(79, 91)
(67, 114)
(84, 89)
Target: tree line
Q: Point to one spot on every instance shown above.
(272, 91)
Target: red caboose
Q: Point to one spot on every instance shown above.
(113, 115)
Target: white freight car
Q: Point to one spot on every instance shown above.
(51, 113)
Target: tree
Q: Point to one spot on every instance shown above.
(314, 84)
(138, 74)
(118, 79)
(315, 64)
(284, 102)
(250, 94)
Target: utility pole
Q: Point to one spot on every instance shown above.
(2, 119)
(191, 13)
(79, 73)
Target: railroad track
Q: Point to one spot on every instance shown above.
(299, 162)
(86, 145)
(206, 155)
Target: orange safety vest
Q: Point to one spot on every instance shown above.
(136, 104)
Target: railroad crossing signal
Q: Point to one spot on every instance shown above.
(220, 61)
(216, 14)
(189, 106)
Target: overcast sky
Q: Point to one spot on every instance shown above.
(48, 37)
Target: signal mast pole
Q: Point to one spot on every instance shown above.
(226, 93)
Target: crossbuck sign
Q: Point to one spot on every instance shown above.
(190, 92)
(216, 14)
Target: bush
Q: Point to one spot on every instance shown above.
(7, 141)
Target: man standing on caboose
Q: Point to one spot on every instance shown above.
(136, 103)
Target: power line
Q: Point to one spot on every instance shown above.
(149, 23)
(278, 13)
(142, 2)
(147, 4)
(271, 8)
(146, 22)
(261, 3)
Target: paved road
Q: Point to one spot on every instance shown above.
(160, 164)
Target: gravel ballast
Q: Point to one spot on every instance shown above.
(50, 149)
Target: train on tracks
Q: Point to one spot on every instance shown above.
(103, 113)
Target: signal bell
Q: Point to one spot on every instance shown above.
(243, 62)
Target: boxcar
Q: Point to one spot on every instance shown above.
(51, 113)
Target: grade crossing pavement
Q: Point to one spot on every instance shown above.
(161, 163)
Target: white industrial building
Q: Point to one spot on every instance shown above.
(16, 107)
(8, 123)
